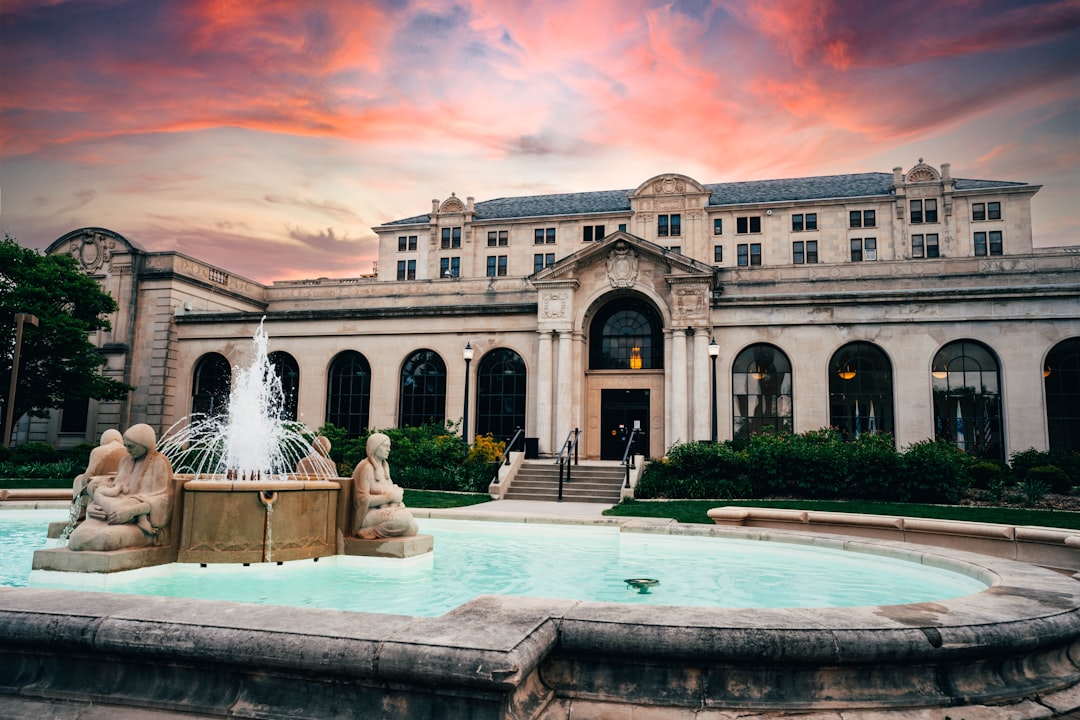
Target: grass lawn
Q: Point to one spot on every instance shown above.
(694, 511)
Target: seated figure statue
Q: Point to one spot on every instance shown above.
(132, 509)
(378, 511)
(104, 460)
(318, 463)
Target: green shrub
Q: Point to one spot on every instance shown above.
(984, 473)
(933, 472)
(60, 469)
(873, 467)
(79, 454)
(696, 470)
(1032, 489)
(1053, 477)
(34, 452)
(5, 453)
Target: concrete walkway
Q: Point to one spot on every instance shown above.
(524, 511)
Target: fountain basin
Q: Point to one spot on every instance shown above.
(245, 521)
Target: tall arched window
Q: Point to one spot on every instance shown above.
(1061, 375)
(348, 392)
(423, 389)
(500, 394)
(860, 390)
(967, 398)
(761, 391)
(288, 370)
(626, 334)
(211, 385)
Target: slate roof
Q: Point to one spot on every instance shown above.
(859, 185)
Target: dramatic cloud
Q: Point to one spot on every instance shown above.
(216, 127)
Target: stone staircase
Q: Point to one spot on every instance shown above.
(592, 481)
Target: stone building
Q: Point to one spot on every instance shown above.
(911, 302)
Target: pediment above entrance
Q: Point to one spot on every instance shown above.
(622, 257)
(618, 265)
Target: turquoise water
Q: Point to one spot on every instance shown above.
(536, 560)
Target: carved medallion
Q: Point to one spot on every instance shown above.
(689, 302)
(554, 307)
(92, 251)
(622, 266)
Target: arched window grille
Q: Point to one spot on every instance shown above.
(500, 394)
(761, 391)
(288, 371)
(1061, 376)
(860, 390)
(423, 390)
(348, 393)
(626, 334)
(967, 398)
(211, 386)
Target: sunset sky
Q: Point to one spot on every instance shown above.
(269, 136)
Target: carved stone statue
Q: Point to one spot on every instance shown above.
(378, 511)
(104, 460)
(318, 463)
(133, 509)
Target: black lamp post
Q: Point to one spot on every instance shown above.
(20, 318)
(467, 353)
(714, 350)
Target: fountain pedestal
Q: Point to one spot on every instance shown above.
(400, 547)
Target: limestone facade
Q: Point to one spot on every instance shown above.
(906, 266)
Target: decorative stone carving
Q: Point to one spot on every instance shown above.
(922, 173)
(452, 204)
(622, 266)
(92, 250)
(554, 306)
(669, 186)
(690, 302)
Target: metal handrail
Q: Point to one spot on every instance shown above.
(569, 446)
(505, 459)
(628, 456)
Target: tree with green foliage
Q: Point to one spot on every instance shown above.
(57, 362)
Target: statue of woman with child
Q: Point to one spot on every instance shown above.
(131, 509)
(378, 510)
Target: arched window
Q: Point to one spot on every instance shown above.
(761, 391)
(423, 389)
(626, 334)
(348, 393)
(211, 384)
(860, 390)
(1061, 375)
(500, 394)
(286, 368)
(967, 397)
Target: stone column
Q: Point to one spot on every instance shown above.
(564, 398)
(677, 401)
(544, 392)
(701, 406)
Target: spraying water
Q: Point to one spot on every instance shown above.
(252, 440)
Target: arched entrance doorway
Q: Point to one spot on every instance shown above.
(625, 376)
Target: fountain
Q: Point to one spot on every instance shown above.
(245, 487)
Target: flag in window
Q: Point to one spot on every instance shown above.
(959, 426)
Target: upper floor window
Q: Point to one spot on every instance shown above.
(496, 265)
(924, 246)
(406, 270)
(804, 252)
(406, 243)
(593, 232)
(986, 211)
(543, 236)
(745, 225)
(863, 249)
(450, 267)
(802, 222)
(622, 227)
(498, 238)
(862, 218)
(543, 260)
(451, 238)
(718, 226)
(718, 254)
(749, 254)
(924, 211)
(669, 225)
(988, 243)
